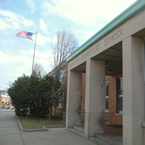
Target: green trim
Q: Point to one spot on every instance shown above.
(130, 12)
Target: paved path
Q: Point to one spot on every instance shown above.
(10, 134)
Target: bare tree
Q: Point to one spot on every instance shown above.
(65, 45)
(38, 70)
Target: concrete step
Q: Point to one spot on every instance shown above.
(113, 130)
(98, 141)
(77, 130)
(107, 140)
(79, 123)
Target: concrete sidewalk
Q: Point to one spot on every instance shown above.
(10, 134)
(55, 137)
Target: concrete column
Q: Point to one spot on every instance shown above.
(95, 97)
(133, 88)
(73, 98)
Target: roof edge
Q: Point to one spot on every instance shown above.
(128, 13)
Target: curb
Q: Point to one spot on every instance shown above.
(35, 130)
(19, 123)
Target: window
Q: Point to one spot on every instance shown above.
(61, 77)
(107, 97)
(119, 88)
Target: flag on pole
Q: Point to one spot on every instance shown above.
(24, 34)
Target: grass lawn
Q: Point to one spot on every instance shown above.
(35, 123)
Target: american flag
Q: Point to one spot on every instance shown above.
(24, 34)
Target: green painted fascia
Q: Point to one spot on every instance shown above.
(128, 13)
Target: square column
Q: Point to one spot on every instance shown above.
(133, 91)
(95, 97)
(73, 98)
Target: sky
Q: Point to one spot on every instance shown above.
(83, 18)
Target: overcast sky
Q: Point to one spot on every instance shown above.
(81, 17)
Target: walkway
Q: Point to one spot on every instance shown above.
(10, 134)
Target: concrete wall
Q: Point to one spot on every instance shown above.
(73, 98)
(95, 97)
(134, 95)
(131, 27)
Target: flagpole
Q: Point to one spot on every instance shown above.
(34, 51)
